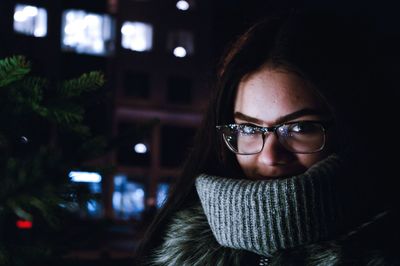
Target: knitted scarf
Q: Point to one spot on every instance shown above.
(269, 215)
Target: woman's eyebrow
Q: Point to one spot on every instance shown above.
(282, 119)
(300, 113)
(247, 118)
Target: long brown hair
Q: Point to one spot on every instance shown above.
(308, 45)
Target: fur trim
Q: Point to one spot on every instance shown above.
(189, 242)
(373, 243)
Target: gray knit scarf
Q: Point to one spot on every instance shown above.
(268, 215)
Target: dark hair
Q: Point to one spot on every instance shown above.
(321, 49)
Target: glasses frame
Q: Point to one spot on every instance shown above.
(273, 129)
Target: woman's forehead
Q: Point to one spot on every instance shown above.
(268, 94)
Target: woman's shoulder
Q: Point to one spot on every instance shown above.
(188, 240)
(375, 242)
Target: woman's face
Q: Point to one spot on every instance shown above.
(269, 97)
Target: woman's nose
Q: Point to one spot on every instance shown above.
(273, 153)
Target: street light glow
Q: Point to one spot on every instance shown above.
(182, 5)
(180, 51)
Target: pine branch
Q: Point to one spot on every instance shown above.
(15, 205)
(33, 173)
(32, 88)
(45, 205)
(27, 95)
(14, 180)
(92, 148)
(81, 130)
(85, 83)
(66, 114)
(13, 69)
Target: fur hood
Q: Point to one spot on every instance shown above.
(190, 241)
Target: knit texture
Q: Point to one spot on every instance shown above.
(264, 216)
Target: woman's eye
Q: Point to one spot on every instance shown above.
(302, 127)
(297, 127)
(247, 129)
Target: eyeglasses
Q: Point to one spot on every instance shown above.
(297, 137)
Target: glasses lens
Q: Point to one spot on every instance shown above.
(243, 139)
(302, 137)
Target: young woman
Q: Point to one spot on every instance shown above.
(280, 172)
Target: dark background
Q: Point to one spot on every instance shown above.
(159, 99)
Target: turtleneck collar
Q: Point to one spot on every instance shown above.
(267, 215)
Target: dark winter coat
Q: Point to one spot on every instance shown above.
(190, 241)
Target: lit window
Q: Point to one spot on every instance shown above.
(162, 193)
(87, 33)
(180, 43)
(89, 177)
(128, 198)
(94, 208)
(91, 182)
(137, 36)
(30, 20)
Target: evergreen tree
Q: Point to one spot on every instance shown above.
(43, 135)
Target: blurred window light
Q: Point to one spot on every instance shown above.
(78, 176)
(180, 43)
(30, 20)
(137, 36)
(87, 33)
(182, 5)
(93, 208)
(128, 198)
(162, 194)
(140, 148)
